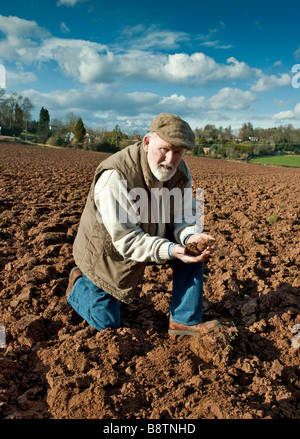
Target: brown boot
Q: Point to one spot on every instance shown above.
(200, 329)
(74, 275)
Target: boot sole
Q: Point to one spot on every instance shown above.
(177, 332)
(193, 333)
(71, 282)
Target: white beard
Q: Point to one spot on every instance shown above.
(163, 171)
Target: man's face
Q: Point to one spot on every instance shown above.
(163, 158)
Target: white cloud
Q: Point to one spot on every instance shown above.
(232, 99)
(288, 115)
(297, 53)
(216, 45)
(181, 104)
(20, 34)
(76, 58)
(179, 68)
(225, 99)
(207, 40)
(284, 115)
(106, 102)
(103, 74)
(105, 105)
(142, 38)
(19, 77)
(199, 68)
(15, 27)
(70, 3)
(91, 63)
(64, 28)
(270, 82)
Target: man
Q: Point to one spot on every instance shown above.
(119, 235)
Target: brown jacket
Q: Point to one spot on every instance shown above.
(93, 250)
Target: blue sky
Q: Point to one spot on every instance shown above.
(123, 62)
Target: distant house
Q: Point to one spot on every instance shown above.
(237, 139)
(69, 137)
(253, 139)
(90, 137)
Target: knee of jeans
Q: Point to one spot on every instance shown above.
(103, 318)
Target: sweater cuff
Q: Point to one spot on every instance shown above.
(170, 249)
(185, 238)
(191, 230)
(163, 251)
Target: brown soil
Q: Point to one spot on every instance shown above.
(56, 366)
(196, 248)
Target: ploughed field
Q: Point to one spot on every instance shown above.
(55, 366)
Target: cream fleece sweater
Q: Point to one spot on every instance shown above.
(114, 202)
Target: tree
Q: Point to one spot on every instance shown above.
(44, 117)
(197, 150)
(32, 126)
(228, 133)
(57, 126)
(26, 108)
(71, 121)
(246, 131)
(116, 136)
(15, 113)
(210, 132)
(43, 125)
(80, 131)
(18, 118)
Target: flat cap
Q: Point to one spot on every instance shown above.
(174, 130)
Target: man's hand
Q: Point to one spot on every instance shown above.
(179, 252)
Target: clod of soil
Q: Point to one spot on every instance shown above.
(196, 248)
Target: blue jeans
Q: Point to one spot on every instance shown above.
(101, 310)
